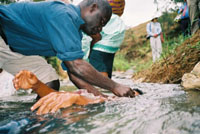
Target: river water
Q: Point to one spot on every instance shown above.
(163, 109)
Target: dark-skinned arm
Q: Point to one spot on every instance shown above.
(84, 85)
(86, 72)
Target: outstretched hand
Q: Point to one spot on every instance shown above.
(57, 100)
(54, 101)
(123, 91)
(25, 80)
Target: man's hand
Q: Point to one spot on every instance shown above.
(95, 38)
(123, 91)
(57, 100)
(155, 35)
(54, 101)
(25, 80)
(83, 70)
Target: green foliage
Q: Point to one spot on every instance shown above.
(6, 1)
(120, 63)
(197, 46)
(170, 46)
(175, 1)
(54, 61)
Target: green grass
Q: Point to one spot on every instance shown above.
(120, 63)
(169, 46)
(138, 64)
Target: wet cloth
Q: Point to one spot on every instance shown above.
(52, 31)
(14, 62)
(155, 42)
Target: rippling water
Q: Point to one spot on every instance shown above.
(163, 109)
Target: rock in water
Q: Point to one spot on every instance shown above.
(192, 80)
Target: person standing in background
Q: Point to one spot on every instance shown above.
(184, 20)
(154, 31)
(194, 13)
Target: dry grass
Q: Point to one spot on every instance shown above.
(172, 68)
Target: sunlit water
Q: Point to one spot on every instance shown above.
(163, 109)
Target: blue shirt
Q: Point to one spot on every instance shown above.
(181, 10)
(43, 28)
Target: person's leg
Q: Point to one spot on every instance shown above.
(158, 47)
(185, 26)
(102, 62)
(13, 62)
(152, 43)
(55, 84)
(36, 64)
(194, 15)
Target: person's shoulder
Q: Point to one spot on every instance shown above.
(58, 8)
(114, 24)
(149, 23)
(115, 19)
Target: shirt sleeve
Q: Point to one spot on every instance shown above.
(148, 28)
(65, 37)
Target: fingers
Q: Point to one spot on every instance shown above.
(44, 100)
(19, 79)
(15, 83)
(131, 93)
(44, 107)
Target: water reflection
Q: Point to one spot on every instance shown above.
(163, 109)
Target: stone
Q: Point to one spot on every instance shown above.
(192, 80)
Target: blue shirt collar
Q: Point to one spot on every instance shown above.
(79, 21)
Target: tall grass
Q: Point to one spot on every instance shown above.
(138, 64)
(170, 45)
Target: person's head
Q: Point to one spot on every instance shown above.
(117, 6)
(96, 14)
(154, 19)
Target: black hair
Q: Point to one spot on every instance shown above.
(103, 5)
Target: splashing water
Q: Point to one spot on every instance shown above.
(163, 109)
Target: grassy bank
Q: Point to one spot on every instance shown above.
(175, 62)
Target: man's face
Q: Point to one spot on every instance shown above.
(155, 20)
(94, 21)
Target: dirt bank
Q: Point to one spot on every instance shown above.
(172, 68)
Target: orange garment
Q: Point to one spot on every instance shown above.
(117, 6)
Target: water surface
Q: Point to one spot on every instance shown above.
(163, 109)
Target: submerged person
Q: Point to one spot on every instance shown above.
(101, 53)
(56, 31)
(52, 100)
